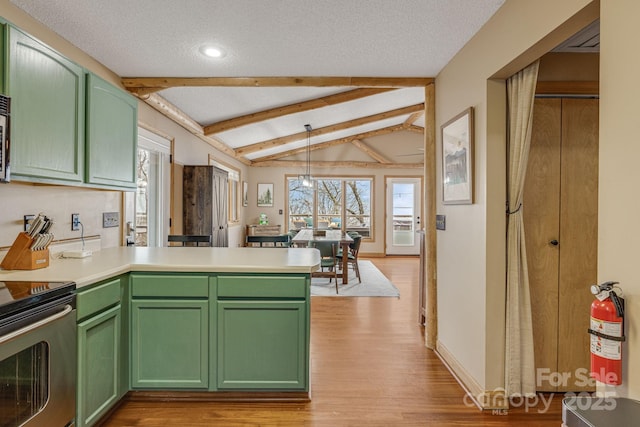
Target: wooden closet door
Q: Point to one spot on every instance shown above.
(578, 233)
(541, 211)
(561, 204)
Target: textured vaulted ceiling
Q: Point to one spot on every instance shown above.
(276, 38)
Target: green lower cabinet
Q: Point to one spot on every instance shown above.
(262, 344)
(169, 344)
(98, 365)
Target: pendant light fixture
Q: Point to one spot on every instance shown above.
(306, 179)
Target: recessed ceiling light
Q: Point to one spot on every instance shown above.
(212, 51)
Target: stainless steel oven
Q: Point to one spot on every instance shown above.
(5, 107)
(37, 354)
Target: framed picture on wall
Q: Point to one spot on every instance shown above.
(457, 159)
(265, 195)
(245, 195)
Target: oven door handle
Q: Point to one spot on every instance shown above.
(40, 323)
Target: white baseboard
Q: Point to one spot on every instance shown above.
(484, 399)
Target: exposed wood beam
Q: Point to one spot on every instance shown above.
(568, 88)
(430, 282)
(180, 117)
(412, 118)
(327, 129)
(375, 155)
(327, 144)
(298, 107)
(343, 164)
(174, 113)
(159, 83)
(143, 91)
(414, 128)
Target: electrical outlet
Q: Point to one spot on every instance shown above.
(75, 222)
(110, 219)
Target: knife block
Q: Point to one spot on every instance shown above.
(21, 257)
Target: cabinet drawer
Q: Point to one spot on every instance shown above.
(97, 298)
(262, 286)
(156, 285)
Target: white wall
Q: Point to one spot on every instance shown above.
(619, 206)
(58, 203)
(471, 252)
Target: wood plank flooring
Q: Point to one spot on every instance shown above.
(369, 367)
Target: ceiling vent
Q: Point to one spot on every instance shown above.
(584, 41)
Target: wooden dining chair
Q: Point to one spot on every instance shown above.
(189, 239)
(352, 256)
(328, 259)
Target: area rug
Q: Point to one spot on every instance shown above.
(374, 284)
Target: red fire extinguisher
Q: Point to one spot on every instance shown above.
(607, 333)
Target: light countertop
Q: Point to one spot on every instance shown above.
(113, 261)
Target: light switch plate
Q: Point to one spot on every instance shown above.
(110, 219)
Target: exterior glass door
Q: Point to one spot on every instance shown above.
(147, 210)
(403, 216)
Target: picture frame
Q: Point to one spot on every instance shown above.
(245, 194)
(457, 159)
(265, 195)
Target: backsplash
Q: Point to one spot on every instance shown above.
(58, 202)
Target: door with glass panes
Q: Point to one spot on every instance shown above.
(146, 211)
(403, 215)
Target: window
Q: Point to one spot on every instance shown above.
(333, 203)
(358, 206)
(234, 188)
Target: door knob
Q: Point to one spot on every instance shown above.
(554, 242)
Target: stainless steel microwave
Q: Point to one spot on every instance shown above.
(5, 105)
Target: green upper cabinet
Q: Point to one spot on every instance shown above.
(47, 112)
(112, 134)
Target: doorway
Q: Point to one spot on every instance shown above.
(403, 211)
(147, 209)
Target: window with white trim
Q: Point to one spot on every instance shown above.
(343, 203)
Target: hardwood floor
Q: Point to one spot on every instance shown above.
(369, 367)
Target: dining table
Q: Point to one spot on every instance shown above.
(306, 235)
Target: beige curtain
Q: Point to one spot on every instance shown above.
(519, 362)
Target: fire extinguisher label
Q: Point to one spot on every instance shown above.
(603, 347)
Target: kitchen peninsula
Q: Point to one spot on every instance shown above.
(187, 322)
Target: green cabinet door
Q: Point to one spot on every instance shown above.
(262, 344)
(98, 366)
(47, 112)
(169, 343)
(112, 134)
